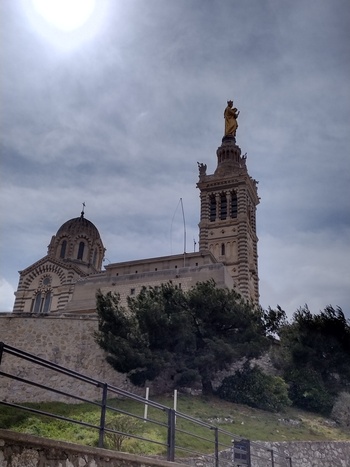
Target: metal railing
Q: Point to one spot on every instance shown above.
(179, 429)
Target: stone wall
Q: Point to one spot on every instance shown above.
(307, 453)
(21, 450)
(66, 341)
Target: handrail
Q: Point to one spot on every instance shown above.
(172, 444)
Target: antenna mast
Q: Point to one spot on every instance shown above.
(183, 217)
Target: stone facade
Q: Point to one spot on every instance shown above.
(227, 225)
(128, 278)
(76, 251)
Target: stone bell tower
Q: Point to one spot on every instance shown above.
(227, 226)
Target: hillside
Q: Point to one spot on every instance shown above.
(241, 420)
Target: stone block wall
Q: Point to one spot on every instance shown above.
(66, 341)
(21, 450)
(307, 453)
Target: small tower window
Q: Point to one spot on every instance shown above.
(81, 250)
(223, 206)
(63, 249)
(222, 249)
(212, 207)
(234, 205)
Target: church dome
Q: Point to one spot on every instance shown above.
(77, 226)
(78, 241)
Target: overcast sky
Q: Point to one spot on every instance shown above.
(117, 113)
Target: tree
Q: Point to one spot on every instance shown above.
(188, 336)
(316, 351)
(274, 320)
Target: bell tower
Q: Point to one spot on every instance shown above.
(228, 199)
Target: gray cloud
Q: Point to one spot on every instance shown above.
(118, 114)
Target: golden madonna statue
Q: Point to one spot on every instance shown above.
(231, 115)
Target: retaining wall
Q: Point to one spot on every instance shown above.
(310, 453)
(66, 341)
(21, 450)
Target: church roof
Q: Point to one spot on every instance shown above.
(77, 226)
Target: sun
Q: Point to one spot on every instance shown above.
(65, 15)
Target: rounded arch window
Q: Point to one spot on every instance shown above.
(42, 302)
(63, 249)
(81, 250)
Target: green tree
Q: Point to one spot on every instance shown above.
(308, 391)
(316, 357)
(188, 336)
(274, 320)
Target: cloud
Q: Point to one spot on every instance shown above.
(6, 296)
(307, 267)
(119, 120)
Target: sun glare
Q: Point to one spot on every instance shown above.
(65, 15)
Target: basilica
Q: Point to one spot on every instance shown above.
(65, 281)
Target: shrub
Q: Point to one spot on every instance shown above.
(124, 425)
(341, 410)
(307, 391)
(252, 387)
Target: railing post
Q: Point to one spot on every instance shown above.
(272, 458)
(1, 351)
(290, 461)
(103, 415)
(216, 434)
(171, 435)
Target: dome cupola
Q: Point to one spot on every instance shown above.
(78, 241)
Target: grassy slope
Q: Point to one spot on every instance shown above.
(240, 420)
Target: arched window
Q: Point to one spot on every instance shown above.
(63, 249)
(223, 206)
(222, 249)
(81, 250)
(37, 302)
(212, 207)
(233, 204)
(47, 303)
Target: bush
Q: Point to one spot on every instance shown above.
(124, 425)
(341, 410)
(250, 386)
(307, 391)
